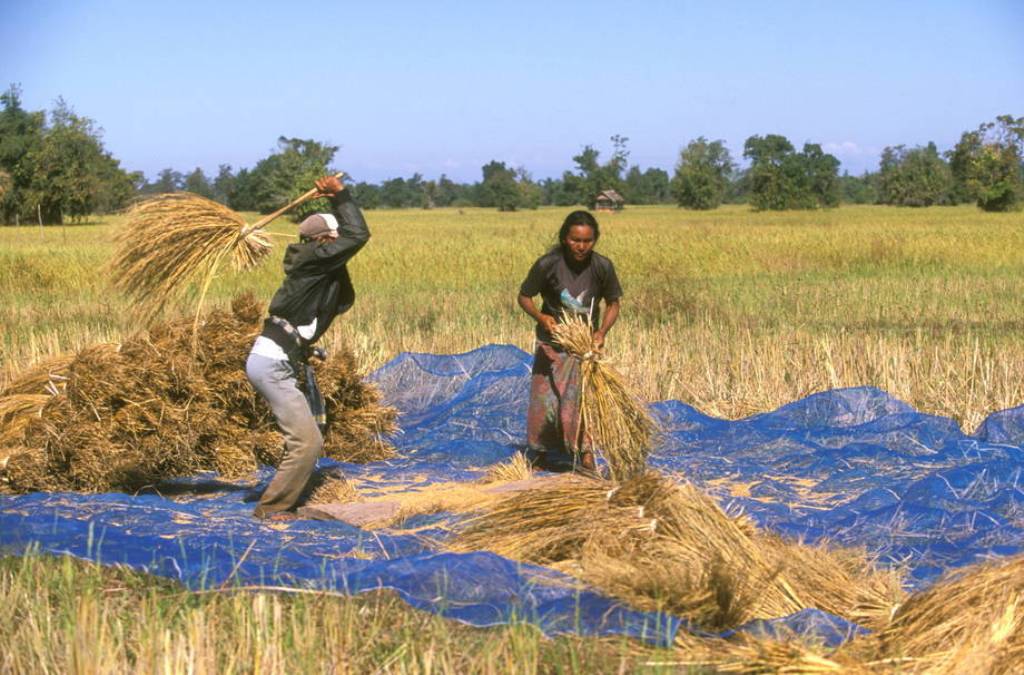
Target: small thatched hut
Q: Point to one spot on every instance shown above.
(609, 200)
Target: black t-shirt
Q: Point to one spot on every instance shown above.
(572, 288)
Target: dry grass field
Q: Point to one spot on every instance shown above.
(732, 311)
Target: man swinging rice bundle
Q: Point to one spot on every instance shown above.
(316, 289)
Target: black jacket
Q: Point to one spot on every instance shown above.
(317, 284)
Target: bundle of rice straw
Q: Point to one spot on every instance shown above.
(614, 419)
(970, 621)
(841, 581)
(158, 407)
(171, 240)
(662, 546)
(541, 526)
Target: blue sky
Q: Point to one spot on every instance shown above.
(444, 87)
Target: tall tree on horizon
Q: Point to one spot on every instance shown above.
(702, 174)
(914, 177)
(196, 182)
(224, 184)
(72, 175)
(21, 133)
(592, 177)
(647, 187)
(287, 173)
(781, 178)
(988, 164)
(499, 188)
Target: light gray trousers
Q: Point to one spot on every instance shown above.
(275, 380)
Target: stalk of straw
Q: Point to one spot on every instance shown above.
(612, 416)
(172, 240)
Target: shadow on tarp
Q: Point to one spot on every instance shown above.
(855, 466)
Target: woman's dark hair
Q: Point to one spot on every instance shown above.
(578, 218)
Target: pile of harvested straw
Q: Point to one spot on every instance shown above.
(117, 417)
(664, 546)
(614, 419)
(971, 621)
(173, 239)
(27, 395)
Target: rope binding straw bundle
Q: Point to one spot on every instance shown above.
(172, 240)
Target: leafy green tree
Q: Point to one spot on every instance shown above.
(289, 172)
(702, 174)
(499, 187)
(554, 193)
(242, 198)
(393, 193)
(914, 177)
(987, 164)
(69, 168)
(531, 195)
(592, 177)
(861, 189)
(367, 195)
(738, 191)
(647, 187)
(21, 134)
(417, 191)
(573, 190)
(771, 184)
(448, 191)
(168, 180)
(138, 180)
(780, 178)
(197, 183)
(430, 193)
(473, 195)
(117, 187)
(401, 193)
(224, 185)
(633, 189)
(822, 176)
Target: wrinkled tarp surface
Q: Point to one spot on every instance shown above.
(855, 466)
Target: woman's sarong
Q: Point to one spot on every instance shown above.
(553, 418)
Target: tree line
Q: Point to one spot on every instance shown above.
(53, 167)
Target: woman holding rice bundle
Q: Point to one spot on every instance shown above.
(571, 278)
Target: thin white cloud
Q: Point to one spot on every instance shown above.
(848, 148)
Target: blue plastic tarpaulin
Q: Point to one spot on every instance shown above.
(855, 466)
